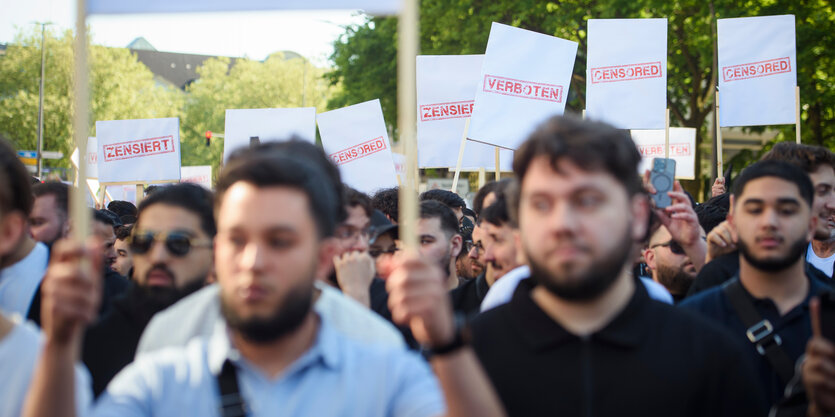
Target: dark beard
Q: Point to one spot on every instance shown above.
(594, 282)
(675, 280)
(287, 317)
(795, 252)
(146, 301)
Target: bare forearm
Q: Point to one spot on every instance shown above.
(466, 388)
(52, 391)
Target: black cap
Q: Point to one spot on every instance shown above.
(381, 225)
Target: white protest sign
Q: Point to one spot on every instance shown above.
(91, 157)
(626, 79)
(139, 151)
(446, 86)
(122, 192)
(650, 144)
(168, 6)
(356, 140)
(200, 175)
(757, 70)
(267, 125)
(524, 80)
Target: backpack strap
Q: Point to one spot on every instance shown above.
(232, 403)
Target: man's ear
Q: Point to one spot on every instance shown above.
(649, 258)
(12, 228)
(640, 213)
(730, 216)
(324, 259)
(456, 244)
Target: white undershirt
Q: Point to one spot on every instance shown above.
(19, 282)
(824, 264)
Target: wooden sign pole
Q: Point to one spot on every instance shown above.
(79, 215)
(719, 169)
(797, 113)
(482, 177)
(140, 193)
(460, 155)
(498, 167)
(408, 46)
(667, 135)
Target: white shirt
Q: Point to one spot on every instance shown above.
(19, 282)
(19, 351)
(199, 313)
(824, 264)
(502, 290)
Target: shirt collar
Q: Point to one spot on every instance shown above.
(325, 349)
(540, 332)
(816, 287)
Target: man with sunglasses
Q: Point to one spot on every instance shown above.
(171, 244)
(670, 262)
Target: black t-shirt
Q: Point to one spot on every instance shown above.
(651, 360)
(114, 286)
(467, 297)
(725, 267)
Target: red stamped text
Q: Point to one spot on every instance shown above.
(138, 148)
(756, 69)
(358, 151)
(626, 72)
(523, 89)
(441, 111)
(676, 149)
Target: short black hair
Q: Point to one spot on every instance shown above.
(806, 157)
(710, 215)
(431, 209)
(447, 197)
(107, 217)
(15, 182)
(353, 198)
(483, 192)
(58, 189)
(188, 196)
(497, 213)
(312, 154)
(122, 208)
(123, 232)
(387, 201)
(267, 165)
(591, 146)
(777, 169)
(469, 212)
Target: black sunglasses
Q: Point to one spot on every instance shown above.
(673, 245)
(177, 243)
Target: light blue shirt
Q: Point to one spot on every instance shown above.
(337, 376)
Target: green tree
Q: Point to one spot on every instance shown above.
(121, 88)
(462, 27)
(247, 84)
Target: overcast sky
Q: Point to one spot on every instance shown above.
(251, 34)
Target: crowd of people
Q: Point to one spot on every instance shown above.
(561, 291)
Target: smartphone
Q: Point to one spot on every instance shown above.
(662, 177)
(827, 315)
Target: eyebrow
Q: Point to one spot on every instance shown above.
(781, 200)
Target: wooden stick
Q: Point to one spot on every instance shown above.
(408, 46)
(140, 193)
(498, 167)
(460, 155)
(482, 177)
(718, 144)
(667, 135)
(797, 113)
(79, 215)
